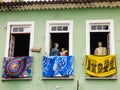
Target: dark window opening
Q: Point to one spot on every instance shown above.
(96, 37)
(62, 39)
(21, 47)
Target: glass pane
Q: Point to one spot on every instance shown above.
(93, 27)
(53, 28)
(105, 27)
(21, 29)
(59, 28)
(65, 28)
(99, 27)
(15, 29)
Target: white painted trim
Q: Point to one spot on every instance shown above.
(111, 30)
(87, 38)
(99, 30)
(28, 30)
(9, 24)
(7, 40)
(59, 22)
(112, 43)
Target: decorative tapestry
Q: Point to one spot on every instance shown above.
(101, 66)
(17, 68)
(57, 66)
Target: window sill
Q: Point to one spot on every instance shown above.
(114, 77)
(58, 78)
(6, 79)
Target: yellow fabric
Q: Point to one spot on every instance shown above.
(100, 66)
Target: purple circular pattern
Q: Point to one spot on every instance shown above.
(15, 67)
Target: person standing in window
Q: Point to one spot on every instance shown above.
(55, 51)
(100, 50)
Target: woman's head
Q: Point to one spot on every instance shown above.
(56, 45)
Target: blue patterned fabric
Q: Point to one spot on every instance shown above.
(57, 66)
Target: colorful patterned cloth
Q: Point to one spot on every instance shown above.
(17, 67)
(57, 66)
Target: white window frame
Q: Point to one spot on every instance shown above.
(9, 24)
(50, 23)
(110, 30)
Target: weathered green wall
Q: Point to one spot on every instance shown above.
(79, 17)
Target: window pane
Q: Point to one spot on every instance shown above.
(53, 28)
(99, 27)
(59, 28)
(93, 27)
(15, 29)
(21, 29)
(65, 28)
(105, 27)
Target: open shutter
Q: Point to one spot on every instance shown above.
(11, 46)
(108, 43)
(50, 43)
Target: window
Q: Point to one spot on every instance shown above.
(59, 32)
(58, 61)
(19, 39)
(100, 27)
(100, 62)
(99, 31)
